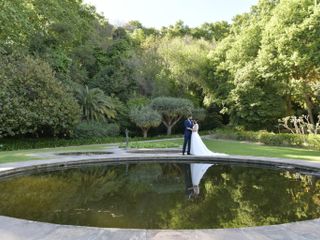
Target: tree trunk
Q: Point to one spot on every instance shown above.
(290, 111)
(145, 133)
(169, 129)
(309, 108)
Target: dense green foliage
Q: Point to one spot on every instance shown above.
(94, 129)
(267, 67)
(95, 105)
(262, 67)
(37, 143)
(32, 100)
(10, 144)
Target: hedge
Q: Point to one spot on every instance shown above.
(278, 139)
(87, 130)
(10, 144)
(34, 143)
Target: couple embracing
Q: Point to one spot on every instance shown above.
(192, 140)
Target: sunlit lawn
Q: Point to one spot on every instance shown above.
(242, 148)
(222, 146)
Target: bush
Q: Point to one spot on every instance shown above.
(269, 138)
(314, 141)
(11, 144)
(96, 129)
(32, 101)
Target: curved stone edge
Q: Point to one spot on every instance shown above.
(22, 168)
(16, 229)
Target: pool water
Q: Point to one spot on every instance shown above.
(162, 196)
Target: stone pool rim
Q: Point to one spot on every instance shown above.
(294, 165)
(309, 227)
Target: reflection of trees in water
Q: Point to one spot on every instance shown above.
(74, 195)
(95, 184)
(153, 195)
(235, 197)
(172, 169)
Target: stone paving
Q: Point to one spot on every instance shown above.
(19, 229)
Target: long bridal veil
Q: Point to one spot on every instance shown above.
(198, 148)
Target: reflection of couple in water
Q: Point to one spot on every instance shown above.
(195, 146)
(193, 175)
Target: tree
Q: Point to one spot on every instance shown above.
(211, 31)
(186, 60)
(199, 114)
(179, 29)
(237, 81)
(219, 79)
(289, 51)
(172, 110)
(257, 103)
(115, 72)
(150, 71)
(95, 105)
(33, 101)
(145, 118)
(69, 40)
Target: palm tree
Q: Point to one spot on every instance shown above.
(95, 104)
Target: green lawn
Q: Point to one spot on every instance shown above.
(241, 148)
(155, 144)
(222, 146)
(25, 155)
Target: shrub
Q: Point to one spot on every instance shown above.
(269, 138)
(32, 101)
(96, 129)
(10, 144)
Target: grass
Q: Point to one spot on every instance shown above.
(222, 146)
(26, 155)
(253, 149)
(240, 148)
(155, 144)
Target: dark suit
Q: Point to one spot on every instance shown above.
(187, 136)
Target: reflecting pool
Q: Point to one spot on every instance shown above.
(163, 196)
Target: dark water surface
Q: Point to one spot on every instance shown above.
(158, 196)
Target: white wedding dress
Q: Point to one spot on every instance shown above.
(198, 148)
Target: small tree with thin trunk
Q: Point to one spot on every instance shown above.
(145, 118)
(172, 110)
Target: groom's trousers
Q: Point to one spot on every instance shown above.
(187, 141)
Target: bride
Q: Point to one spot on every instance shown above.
(200, 149)
(197, 145)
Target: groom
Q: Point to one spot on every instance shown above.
(187, 134)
